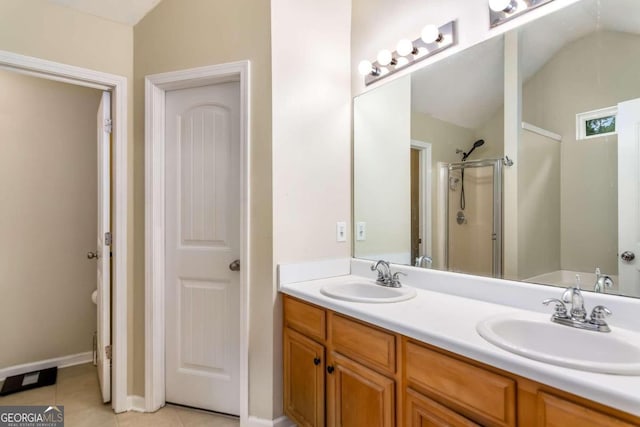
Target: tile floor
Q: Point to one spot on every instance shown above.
(77, 389)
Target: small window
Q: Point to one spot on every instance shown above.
(596, 123)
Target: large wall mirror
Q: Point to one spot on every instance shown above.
(431, 162)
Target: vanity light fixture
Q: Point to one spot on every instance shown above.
(432, 40)
(405, 48)
(501, 11)
(386, 58)
(366, 68)
(506, 6)
(431, 34)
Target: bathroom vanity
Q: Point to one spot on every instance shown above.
(421, 362)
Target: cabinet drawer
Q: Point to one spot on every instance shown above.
(424, 412)
(368, 345)
(556, 412)
(305, 318)
(480, 395)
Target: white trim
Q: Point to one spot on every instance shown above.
(136, 403)
(282, 421)
(118, 87)
(426, 185)
(60, 362)
(541, 131)
(155, 87)
(581, 119)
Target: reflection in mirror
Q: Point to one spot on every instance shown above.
(426, 179)
(422, 191)
(578, 65)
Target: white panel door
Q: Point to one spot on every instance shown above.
(103, 252)
(202, 240)
(628, 128)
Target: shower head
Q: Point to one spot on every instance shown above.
(476, 144)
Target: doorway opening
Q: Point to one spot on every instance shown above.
(117, 87)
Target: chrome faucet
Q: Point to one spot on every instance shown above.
(385, 278)
(421, 260)
(602, 282)
(574, 296)
(577, 316)
(384, 272)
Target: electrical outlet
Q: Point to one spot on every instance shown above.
(341, 231)
(361, 231)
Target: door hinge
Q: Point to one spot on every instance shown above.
(107, 238)
(108, 125)
(107, 351)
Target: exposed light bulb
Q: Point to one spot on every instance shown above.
(366, 67)
(385, 58)
(431, 34)
(405, 47)
(506, 6)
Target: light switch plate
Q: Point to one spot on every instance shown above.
(341, 231)
(361, 231)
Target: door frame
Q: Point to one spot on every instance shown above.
(426, 182)
(155, 87)
(117, 85)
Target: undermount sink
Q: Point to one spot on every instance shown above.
(536, 337)
(367, 291)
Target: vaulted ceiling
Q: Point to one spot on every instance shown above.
(466, 89)
(128, 12)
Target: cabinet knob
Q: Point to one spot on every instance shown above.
(330, 369)
(316, 361)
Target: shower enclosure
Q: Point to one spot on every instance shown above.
(473, 216)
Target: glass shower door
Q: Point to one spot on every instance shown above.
(474, 218)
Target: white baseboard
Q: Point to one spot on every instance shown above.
(282, 421)
(136, 403)
(60, 362)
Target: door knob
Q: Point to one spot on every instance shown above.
(93, 255)
(628, 256)
(235, 265)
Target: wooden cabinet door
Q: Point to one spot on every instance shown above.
(303, 379)
(424, 412)
(358, 396)
(556, 412)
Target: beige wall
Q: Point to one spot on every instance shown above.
(538, 205)
(589, 168)
(381, 175)
(48, 219)
(42, 29)
(178, 35)
(311, 128)
(311, 105)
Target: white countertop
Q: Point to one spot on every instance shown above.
(449, 322)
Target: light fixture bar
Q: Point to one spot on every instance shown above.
(514, 9)
(421, 50)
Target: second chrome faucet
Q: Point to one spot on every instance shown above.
(577, 316)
